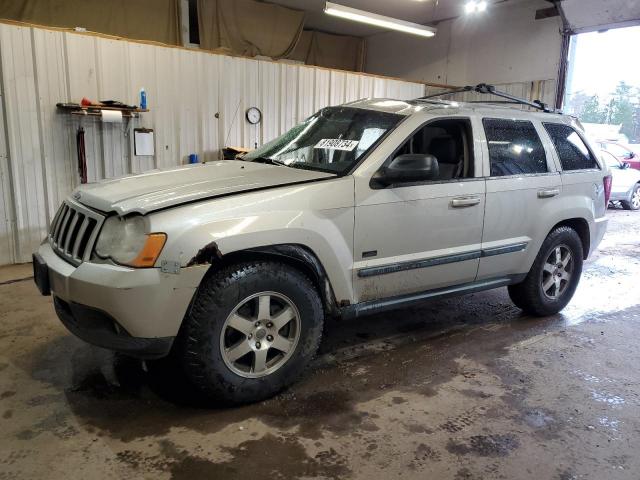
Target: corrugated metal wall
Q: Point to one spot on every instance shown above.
(185, 90)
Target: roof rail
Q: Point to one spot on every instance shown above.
(491, 90)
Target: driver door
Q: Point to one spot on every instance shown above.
(417, 237)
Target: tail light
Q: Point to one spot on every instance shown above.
(606, 181)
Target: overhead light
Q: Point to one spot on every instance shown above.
(378, 20)
(473, 6)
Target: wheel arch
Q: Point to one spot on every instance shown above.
(581, 227)
(295, 255)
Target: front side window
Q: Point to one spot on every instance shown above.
(573, 152)
(514, 147)
(450, 141)
(332, 140)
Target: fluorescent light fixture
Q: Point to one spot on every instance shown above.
(481, 6)
(470, 7)
(378, 20)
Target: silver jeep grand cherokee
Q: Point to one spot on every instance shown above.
(233, 265)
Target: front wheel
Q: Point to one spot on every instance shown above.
(251, 332)
(634, 201)
(554, 275)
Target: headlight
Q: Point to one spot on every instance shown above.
(125, 241)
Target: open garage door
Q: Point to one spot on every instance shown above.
(590, 15)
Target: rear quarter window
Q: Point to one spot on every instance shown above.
(514, 147)
(571, 149)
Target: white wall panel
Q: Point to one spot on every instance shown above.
(337, 88)
(379, 87)
(322, 87)
(7, 254)
(288, 96)
(208, 87)
(197, 104)
(271, 91)
(82, 81)
(366, 86)
(231, 114)
(143, 73)
(169, 93)
(57, 146)
(306, 92)
(251, 97)
(112, 75)
(351, 87)
(21, 111)
(186, 103)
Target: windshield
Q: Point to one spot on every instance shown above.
(610, 159)
(332, 140)
(617, 150)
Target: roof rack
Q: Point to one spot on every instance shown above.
(491, 90)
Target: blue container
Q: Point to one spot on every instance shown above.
(143, 99)
(193, 158)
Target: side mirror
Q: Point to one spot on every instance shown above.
(409, 168)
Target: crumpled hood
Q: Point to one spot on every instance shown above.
(158, 189)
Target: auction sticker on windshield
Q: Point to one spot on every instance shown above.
(337, 144)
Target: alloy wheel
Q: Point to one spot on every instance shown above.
(556, 272)
(635, 199)
(260, 334)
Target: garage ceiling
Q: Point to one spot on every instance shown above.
(417, 11)
(582, 15)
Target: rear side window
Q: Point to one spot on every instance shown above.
(573, 153)
(514, 147)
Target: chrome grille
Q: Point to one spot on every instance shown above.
(73, 232)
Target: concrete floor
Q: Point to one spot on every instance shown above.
(465, 388)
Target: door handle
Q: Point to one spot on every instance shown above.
(548, 193)
(462, 202)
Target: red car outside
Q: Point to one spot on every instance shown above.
(623, 153)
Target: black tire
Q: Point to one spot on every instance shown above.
(631, 204)
(216, 298)
(529, 294)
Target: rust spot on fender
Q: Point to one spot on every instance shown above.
(206, 255)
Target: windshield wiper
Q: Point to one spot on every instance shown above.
(270, 161)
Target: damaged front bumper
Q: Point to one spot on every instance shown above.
(134, 310)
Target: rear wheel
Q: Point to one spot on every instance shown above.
(253, 329)
(634, 200)
(554, 275)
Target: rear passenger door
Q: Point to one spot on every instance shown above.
(581, 174)
(523, 185)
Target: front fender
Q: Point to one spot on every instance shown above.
(318, 216)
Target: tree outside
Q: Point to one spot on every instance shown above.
(603, 84)
(622, 108)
